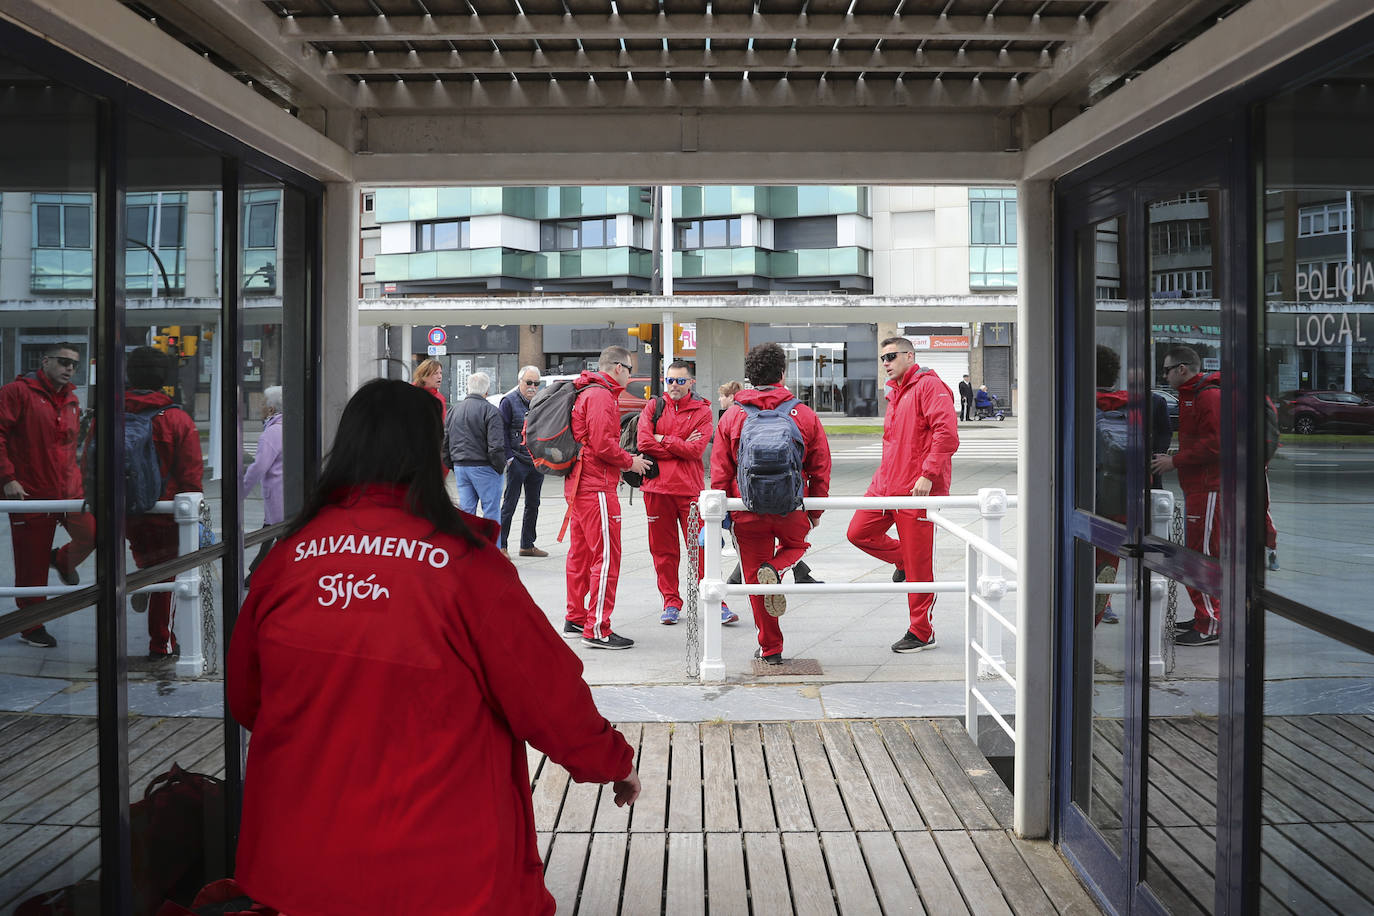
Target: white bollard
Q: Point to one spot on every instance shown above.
(186, 593)
(711, 505)
(992, 506)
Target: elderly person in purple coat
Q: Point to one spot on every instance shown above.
(267, 470)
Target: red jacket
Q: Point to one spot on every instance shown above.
(38, 432)
(920, 436)
(596, 425)
(680, 472)
(1198, 459)
(176, 440)
(725, 451)
(387, 769)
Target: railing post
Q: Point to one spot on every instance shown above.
(711, 504)
(1161, 524)
(972, 663)
(190, 640)
(992, 506)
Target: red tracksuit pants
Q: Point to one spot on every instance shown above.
(153, 540)
(913, 549)
(667, 515)
(776, 539)
(1202, 533)
(593, 561)
(32, 536)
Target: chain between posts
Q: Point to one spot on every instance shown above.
(690, 600)
(208, 578)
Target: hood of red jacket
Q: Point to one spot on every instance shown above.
(1197, 381)
(764, 398)
(138, 399)
(1111, 400)
(590, 377)
(39, 382)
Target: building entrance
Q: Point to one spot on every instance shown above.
(816, 375)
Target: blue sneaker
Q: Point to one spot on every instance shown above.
(727, 615)
(669, 615)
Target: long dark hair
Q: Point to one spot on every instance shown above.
(390, 433)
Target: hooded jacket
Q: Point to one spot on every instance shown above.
(267, 470)
(39, 427)
(725, 451)
(391, 676)
(596, 425)
(679, 461)
(1198, 459)
(176, 440)
(920, 435)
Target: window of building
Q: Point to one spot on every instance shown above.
(155, 239)
(260, 211)
(444, 235)
(571, 234)
(1323, 219)
(1178, 236)
(62, 220)
(992, 238)
(369, 202)
(727, 232)
(1182, 284)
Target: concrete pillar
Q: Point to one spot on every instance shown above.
(886, 329)
(1037, 487)
(202, 244)
(339, 360)
(16, 257)
(532, 346)
(721, 346)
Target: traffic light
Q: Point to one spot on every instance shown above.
(188, 345)
(644, 332)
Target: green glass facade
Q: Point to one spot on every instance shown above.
(781, 202)
(406, 204)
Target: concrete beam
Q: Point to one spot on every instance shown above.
(111, 36)
(429, 63)
(743, 309)
(684, 26)
(431, 96)
(1233, 51)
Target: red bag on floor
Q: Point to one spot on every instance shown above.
(177, 832)
(222, 898)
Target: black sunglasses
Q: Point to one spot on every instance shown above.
(889, 357)
(66, 362)
(1174, 366)
(625, 367)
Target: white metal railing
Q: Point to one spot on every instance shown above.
(185, 511)
(989, 577)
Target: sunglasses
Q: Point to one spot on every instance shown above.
(66, 362)
(889, 357)
(530, 384)
(678, 381)
(1174, 366)
(625, 367)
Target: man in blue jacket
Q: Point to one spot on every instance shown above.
(521, 474)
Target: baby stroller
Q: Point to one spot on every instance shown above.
(985, 407)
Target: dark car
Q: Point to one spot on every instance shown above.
(1171, 402)
(1304, 411)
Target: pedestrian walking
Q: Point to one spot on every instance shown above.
(476, 446)
(965, 399)
(770, 542)
(521, 474)
(593, 507)
(266, 469)
(920, 436)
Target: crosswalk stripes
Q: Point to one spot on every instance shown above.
(969, 450)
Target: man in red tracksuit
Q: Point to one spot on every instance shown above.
(1198, 462)
(920, 437)
(40, 418)
(675, 441)
(593, 507)
(153, 538)
(770, 544)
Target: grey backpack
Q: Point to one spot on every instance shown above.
(770, 459)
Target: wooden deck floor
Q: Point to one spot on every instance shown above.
(860, 816)
(1317, 840)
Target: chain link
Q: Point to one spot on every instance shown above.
(1171, 609)
(691, 601)
(209, 620)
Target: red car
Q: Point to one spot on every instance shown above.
(1305, 411)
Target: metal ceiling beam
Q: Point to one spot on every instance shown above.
(657, 27)
(247, 34)
(686, 61)
(401, 96)
(1124, 35)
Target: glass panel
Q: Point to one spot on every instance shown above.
(49, 783)
(1318, 803)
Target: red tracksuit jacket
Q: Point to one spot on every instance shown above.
(390, 676)
(596, 424)
(725, 452)
(679, 461)
(176, 441)
(38, 433)
(1198, 459)
(920, 436)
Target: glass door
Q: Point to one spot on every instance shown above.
(816, 375)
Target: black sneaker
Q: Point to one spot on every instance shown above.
(899, 575)
(68, 578)
(1193, 638)
(912, 643)
(572, 630)
(1273, 559)
(773, 604)
(609, 641)
(40, 637)
(775, 659)
(1183, 626)
(806, 579)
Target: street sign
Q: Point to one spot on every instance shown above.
(438, 337)
(439, 350)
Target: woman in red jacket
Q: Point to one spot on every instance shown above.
(391, 668)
